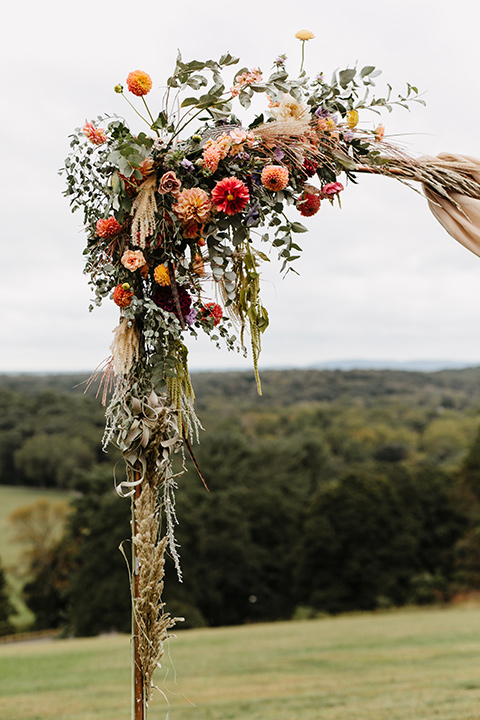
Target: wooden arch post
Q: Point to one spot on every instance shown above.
(138, 690)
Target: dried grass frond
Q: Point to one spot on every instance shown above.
(274, 131)
(443, 176)
(144, 208)
(125, 347)
(105, 374)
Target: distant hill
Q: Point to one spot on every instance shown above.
(456, 388)
(407, 365)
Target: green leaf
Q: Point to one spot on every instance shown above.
(345, 77)
(228, 59)
(367, 70)
(161, 120)
(189, 101)
(297, 227)
(194, 65)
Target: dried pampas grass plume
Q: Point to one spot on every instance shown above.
(144, 208)
(125, 347)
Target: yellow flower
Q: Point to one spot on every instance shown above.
(161, 275)
(352, 119)
(304, 35)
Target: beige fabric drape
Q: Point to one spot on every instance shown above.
(463, 226)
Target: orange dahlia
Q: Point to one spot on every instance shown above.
(308, 204)
(122, 295)
(193, 205)
(275, 177)
(95, 135)
(108, 227)
(162, 276)
(139, 83)
(230, 196)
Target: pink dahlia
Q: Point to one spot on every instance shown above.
(95, 135)
(230, 196)
(108, 227)
(211, 158)
(139, 83)
(275, 177)
(309, 204)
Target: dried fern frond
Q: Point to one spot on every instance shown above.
(144, 208)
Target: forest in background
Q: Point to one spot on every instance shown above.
(334, 491)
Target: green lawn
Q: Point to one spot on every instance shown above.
(401, 665)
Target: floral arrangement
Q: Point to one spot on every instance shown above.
(179, 219)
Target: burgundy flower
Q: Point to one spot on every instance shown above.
(308, 204)
(163, 297)
(309, 167)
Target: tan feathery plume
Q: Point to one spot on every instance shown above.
(273, 131)
(125, 347)
(144, 208)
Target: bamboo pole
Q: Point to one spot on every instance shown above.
(137, 671)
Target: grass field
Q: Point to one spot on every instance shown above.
(402, 665)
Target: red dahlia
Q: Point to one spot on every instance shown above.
(230, 196)
(309, 204)
(212, 310)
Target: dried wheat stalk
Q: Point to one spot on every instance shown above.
(152, 623)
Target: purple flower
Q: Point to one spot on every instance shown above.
(320, 112)
(278, 154)
(252, 215)
(189, 166)
(191, 316)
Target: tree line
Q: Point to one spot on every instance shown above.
(334, 492)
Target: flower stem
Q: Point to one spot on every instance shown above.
(134, 108)
(177, 132)
(303, 56)
(150, 116)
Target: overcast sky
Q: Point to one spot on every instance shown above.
(379, 279)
